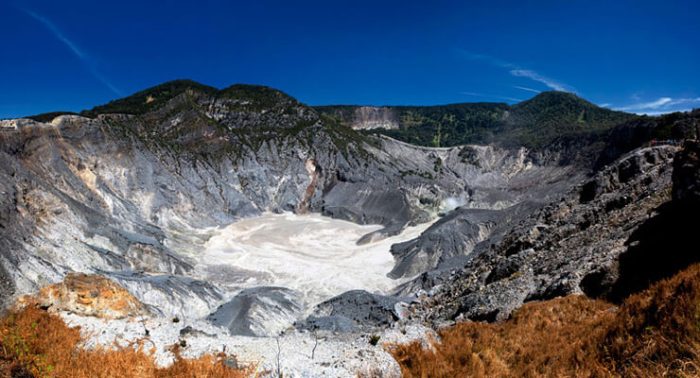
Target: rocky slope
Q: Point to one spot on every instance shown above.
(650, 328)
(133, 190)
(134, 195)
(569, 246)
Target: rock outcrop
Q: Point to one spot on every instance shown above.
(260, 311)
(664, 243)
(354, 311)
(89, 295)
(686, 175)
(365, 117)
(457, 237)
(563, 248)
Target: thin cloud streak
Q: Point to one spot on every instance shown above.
(532, 75)
(661, 112)
(685, 101)
(661, 105)
(649, 105)
(84, 58)
(517, 71)
(527, 89)
(57, 33)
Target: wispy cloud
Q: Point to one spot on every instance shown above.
(662, 105)
(652, 105)
(527, 89)
(485, 95)
(532, 75)
(518, 71)
(78, 52)
(679, 101)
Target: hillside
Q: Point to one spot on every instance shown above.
(633, 315)
(643, 130)
(652, 334)
(534, 123)
(188, 117)
(189, 206)
(148, 198)
(548, 120)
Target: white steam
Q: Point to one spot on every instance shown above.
(451, 203)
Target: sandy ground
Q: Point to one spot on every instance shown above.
(300, 354)
(314, 255)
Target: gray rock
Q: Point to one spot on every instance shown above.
(563, 248)
(353, 311)
(686, 175)
(259, 311)
(450, 241)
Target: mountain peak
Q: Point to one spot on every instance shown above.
(154, 97)
(565, 108)
(149, 99)
(556, 98)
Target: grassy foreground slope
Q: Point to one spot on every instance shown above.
(653, 333)
(34, 343)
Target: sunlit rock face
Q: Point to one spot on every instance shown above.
(364, 117)
(372, 117)
(89, 295)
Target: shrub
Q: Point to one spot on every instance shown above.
(34, 343)
(654, 333)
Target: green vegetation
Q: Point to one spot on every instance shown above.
(252, 97)
(411, 172)
(259, 97)
(551, 115)
(437, 165)
(533, 123)
(435, 126)
(149, 99)
(175, 117)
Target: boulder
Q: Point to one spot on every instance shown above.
(89, 295)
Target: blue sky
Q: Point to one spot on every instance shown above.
(639, 56)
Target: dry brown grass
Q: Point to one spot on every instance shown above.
(35, 343)
(654, 333)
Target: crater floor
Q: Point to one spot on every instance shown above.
(312, 254)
